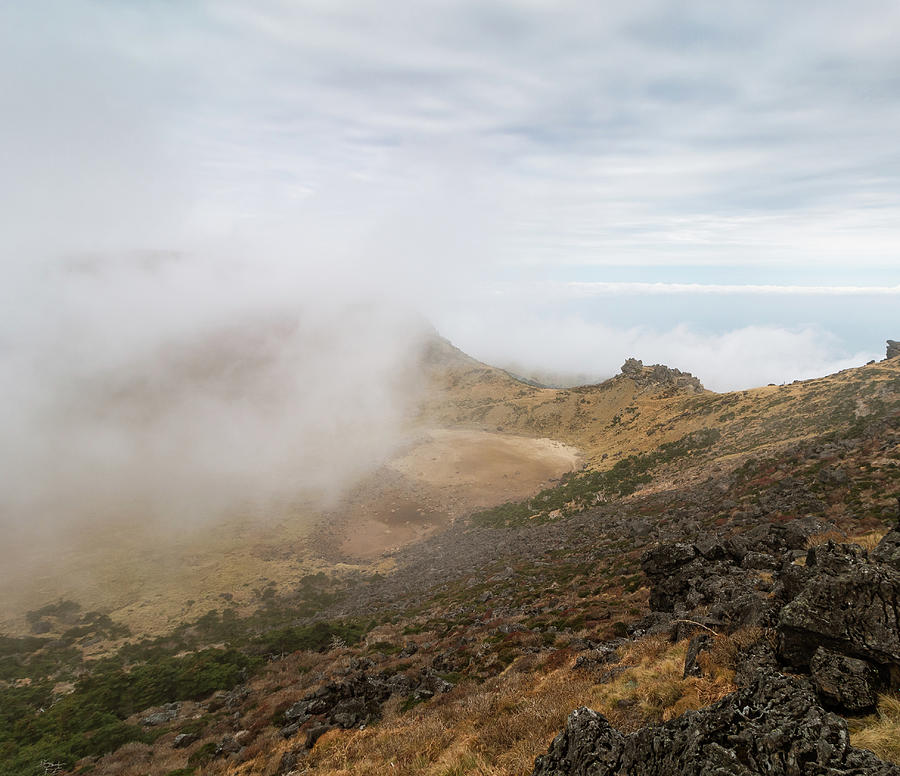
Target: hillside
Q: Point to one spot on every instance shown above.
(508, 565)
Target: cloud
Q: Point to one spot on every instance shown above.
(266, 185)
(602, 288)
(166, 391)
(572, 350)
(640, 134)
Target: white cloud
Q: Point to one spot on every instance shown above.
(602, 288)
(573, 348)
(306, 156)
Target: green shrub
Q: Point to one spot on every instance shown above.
(317, 637)
(203, 755)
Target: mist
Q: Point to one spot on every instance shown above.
(226, 229)
(160, 388)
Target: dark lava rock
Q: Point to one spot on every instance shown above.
(696, 645)
(888, 550)
(849, 606)
(315, 733)
(759, 659)
(760, 561)
(587, 746)
(357, 701)
(288, 761)
(773, 727)
(595, 658)
(683, 579)
(844, 683)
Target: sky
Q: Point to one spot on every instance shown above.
(651, 172)
(555, 186)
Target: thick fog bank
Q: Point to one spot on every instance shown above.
(162, 388)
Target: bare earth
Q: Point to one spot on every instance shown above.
(442, 475)
(153, 577)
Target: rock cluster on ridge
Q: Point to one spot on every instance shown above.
(893, 349)
(660, 376)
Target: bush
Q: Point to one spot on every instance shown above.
(317, 637)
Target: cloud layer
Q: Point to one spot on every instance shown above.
(696, 133)
(214, 214)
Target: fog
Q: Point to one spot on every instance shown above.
(225, 227)
(158, 388)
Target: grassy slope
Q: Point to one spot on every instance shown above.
(616, 418)
(513, 690)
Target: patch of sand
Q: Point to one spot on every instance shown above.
(441, 475)
(478, 469)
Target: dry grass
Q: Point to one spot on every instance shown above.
(868, 541)
(880, 732)
(818, 539)
(500, 726)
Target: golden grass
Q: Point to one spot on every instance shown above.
(818, 539)
(868, 541)
(500, 726)
(880, 732)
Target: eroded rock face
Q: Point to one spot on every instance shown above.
(844, 682)
(848, 605)
(774, 727)
(893, 349)
(661, 376)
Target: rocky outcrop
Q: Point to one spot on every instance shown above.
(661, 376)
(836, 616)
(844, 682)
(683, 578)
(721, 574)
(893, 349)
(355, 702)
(773, 727)
(849, 605)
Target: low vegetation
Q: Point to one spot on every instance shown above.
(579, 490)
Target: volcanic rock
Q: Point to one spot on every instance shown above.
(774, 727)
(849, 605)
(845, 683)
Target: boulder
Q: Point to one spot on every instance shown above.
(682, 579)
(888, 550)
(848, 605)
(184, 739)
(844, 683)
(893, 349)
(773, 727)
(587, 746)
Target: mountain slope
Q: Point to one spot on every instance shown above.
(463, 649)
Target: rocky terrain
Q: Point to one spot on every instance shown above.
(708, 604)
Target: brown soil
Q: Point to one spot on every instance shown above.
(441, 475)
